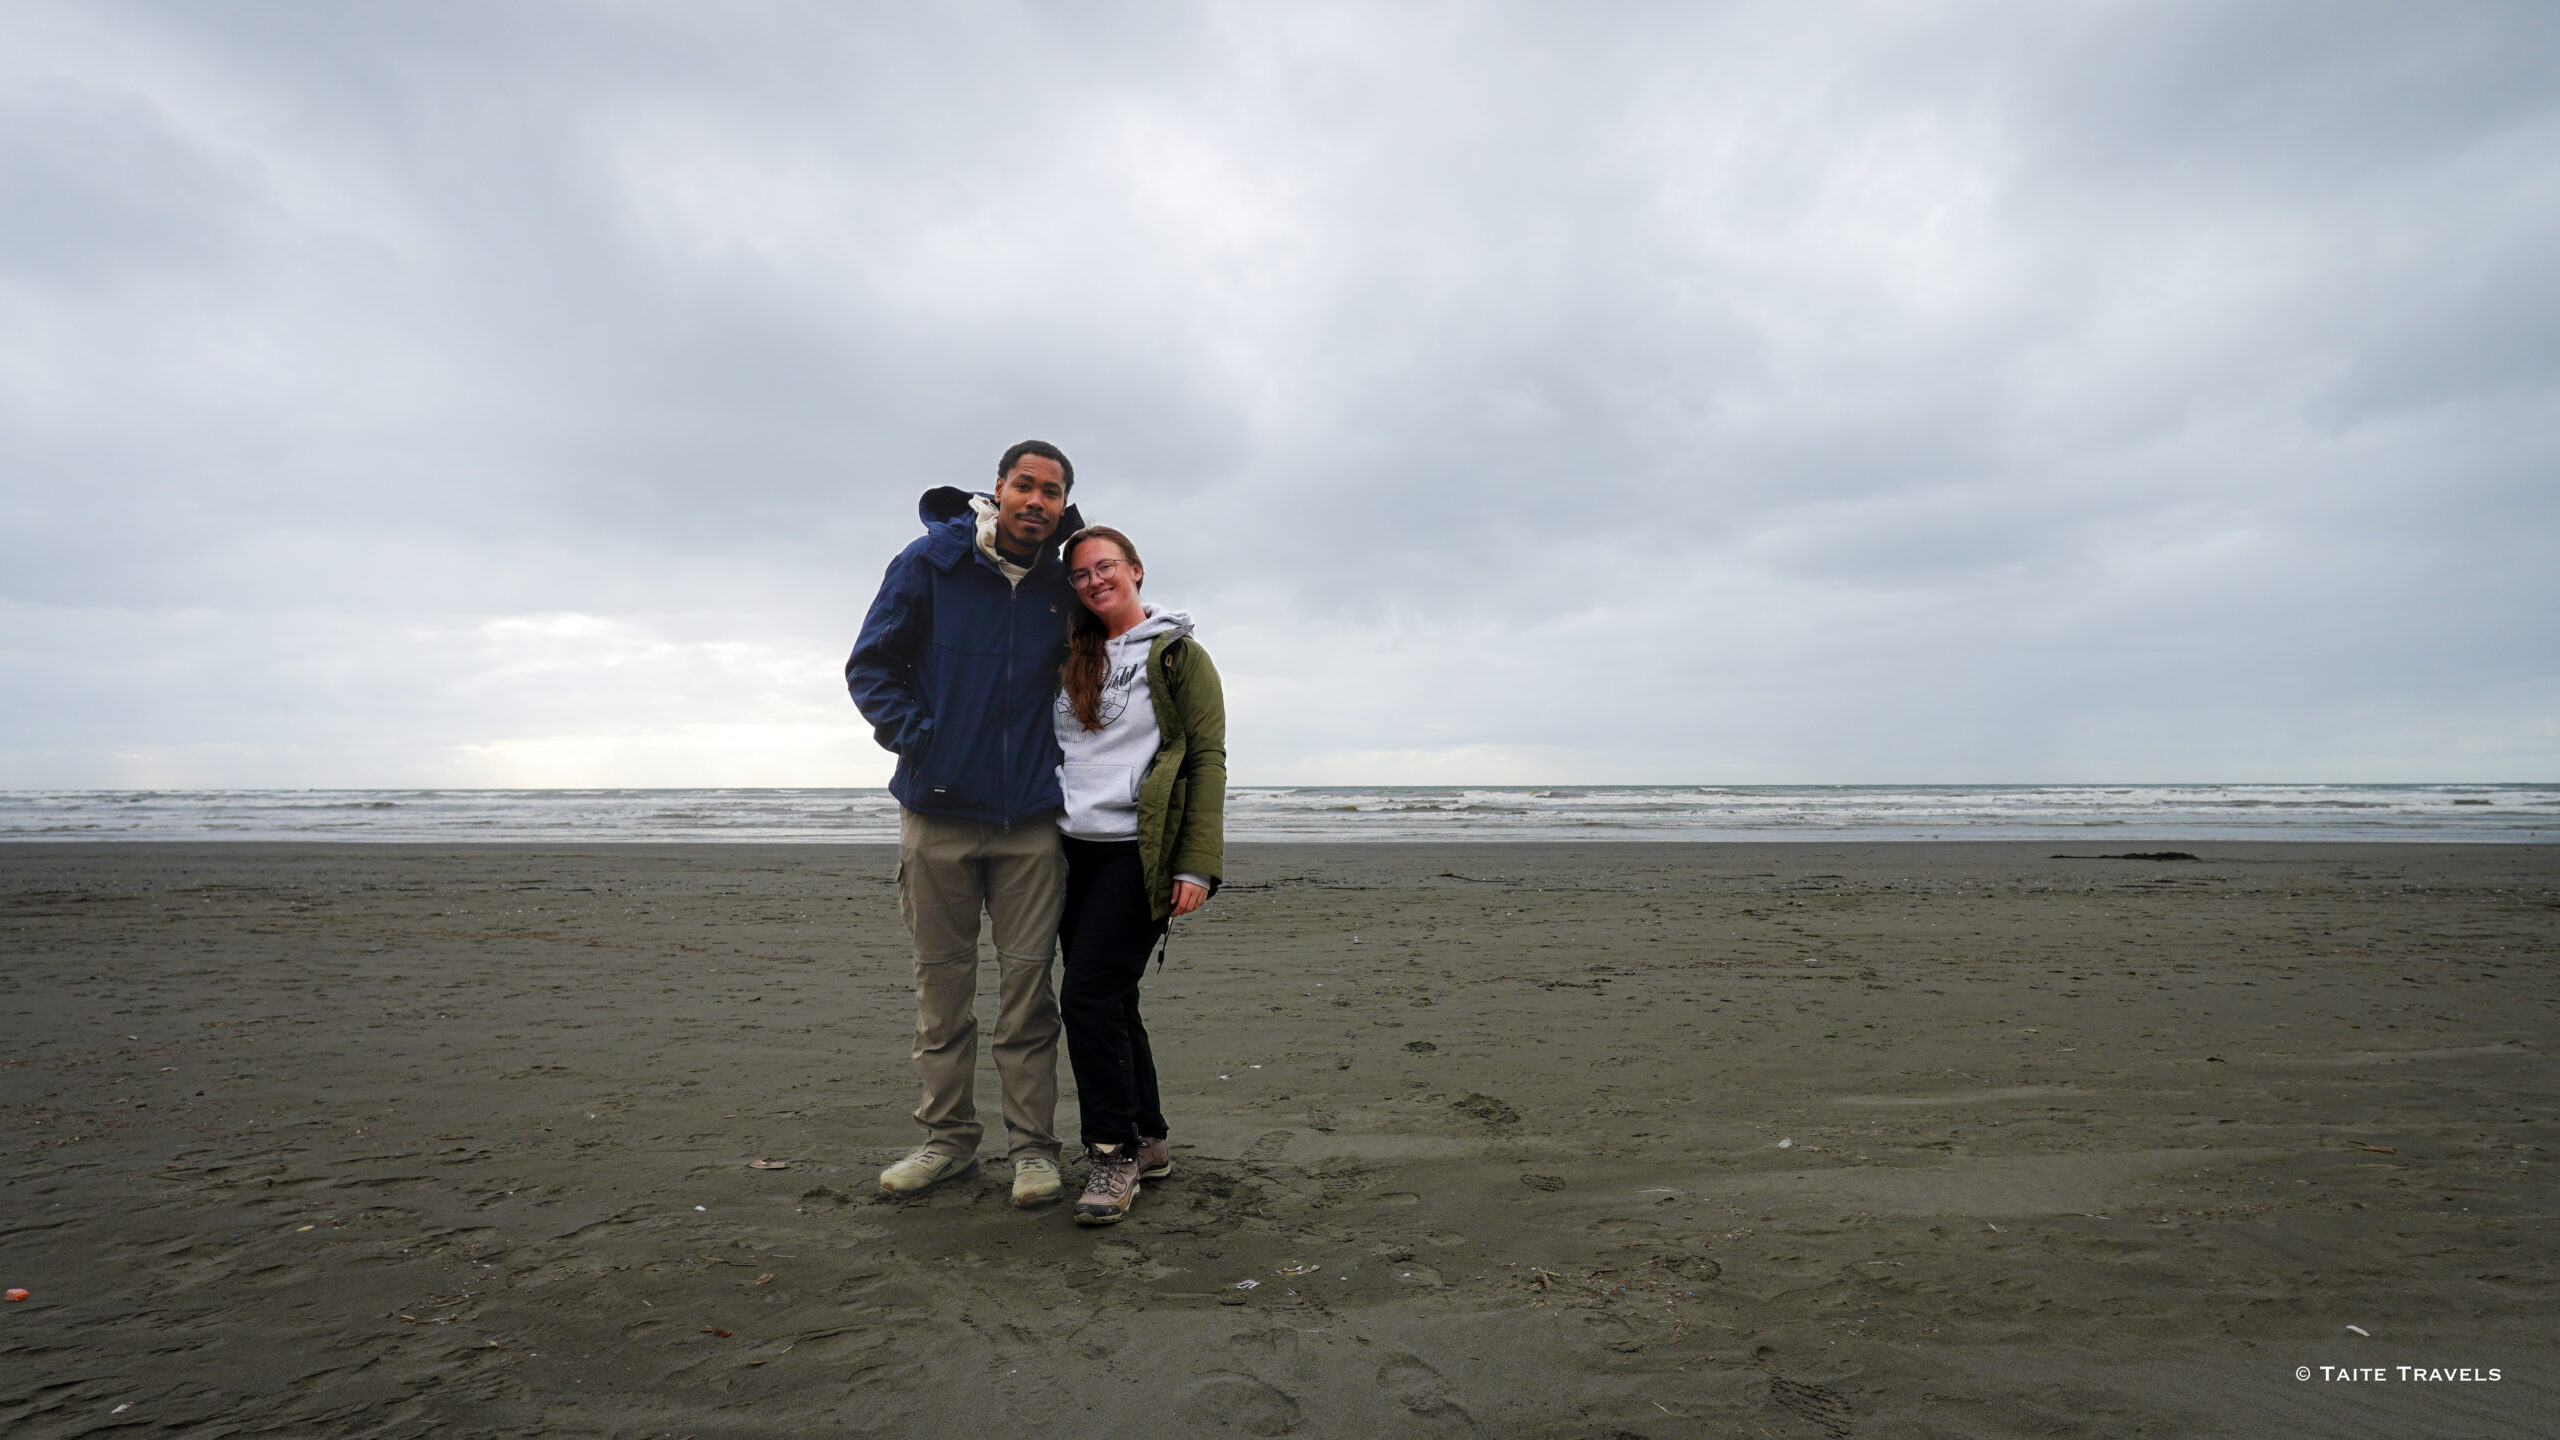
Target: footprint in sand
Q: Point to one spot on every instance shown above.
(1689, 1266)
(1819, 1405)
(1627, 1230)
(1413, 1384)
(1231, 1404)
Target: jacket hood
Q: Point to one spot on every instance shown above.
(942, 503)
(1158, 622)
(945, 503)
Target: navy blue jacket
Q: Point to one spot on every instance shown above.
(956, 670)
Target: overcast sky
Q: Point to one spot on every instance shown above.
(531, 394)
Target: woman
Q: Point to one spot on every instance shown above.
(1144, 727)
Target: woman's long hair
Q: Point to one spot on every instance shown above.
(1087, 657)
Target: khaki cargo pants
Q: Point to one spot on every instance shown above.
(949, 871)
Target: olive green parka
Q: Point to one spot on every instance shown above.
(1182, 801)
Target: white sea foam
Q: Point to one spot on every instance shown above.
(2095, 814)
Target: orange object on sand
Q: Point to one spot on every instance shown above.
(17, 1294)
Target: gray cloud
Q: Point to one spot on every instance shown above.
(1665, 392)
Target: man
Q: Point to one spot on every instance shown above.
(955, 670)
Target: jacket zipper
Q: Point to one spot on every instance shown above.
(1012, 618)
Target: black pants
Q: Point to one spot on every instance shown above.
(1106, 935)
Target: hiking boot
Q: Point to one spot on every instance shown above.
(923, 1170)
(1110, 1187)
(1035, 1182)
(1155, 1158)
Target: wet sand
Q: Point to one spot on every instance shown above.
(1587, 1142)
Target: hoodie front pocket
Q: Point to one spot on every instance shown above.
(1099, 787)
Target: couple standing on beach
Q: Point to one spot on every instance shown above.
(1062, 767)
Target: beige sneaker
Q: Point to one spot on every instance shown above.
(1110, 1187)
(923, 1170)
(1155, 1158)
(1035, 1182)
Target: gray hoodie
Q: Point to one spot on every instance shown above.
(1103, 767)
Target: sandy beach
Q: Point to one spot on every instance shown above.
(1791, 1140)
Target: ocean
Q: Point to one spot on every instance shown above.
(2098, 814)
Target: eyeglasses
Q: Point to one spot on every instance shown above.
(1102, 570)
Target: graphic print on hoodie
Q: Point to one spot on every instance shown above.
(1103, 767)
